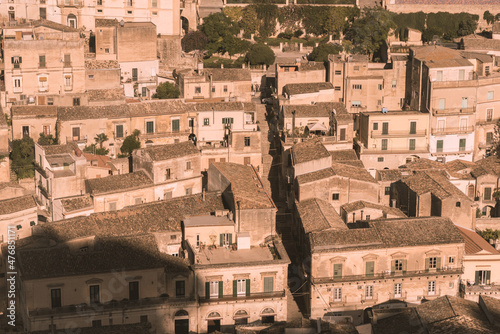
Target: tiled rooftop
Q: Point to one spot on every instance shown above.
(228, 74)
(246, 185)
(434, 182)
(389, 174)
(475, 244)
(350, 171)
(104, 256)
(354, 206)
(77, 203)
(160, 216)
(320, 109)
(93, 64)
(489, 165)
(102, 161)
(53, 25)
(171, 151)
(319, 215)
(306, 88)
(118, 183)
(106, 94)
(308, 150)
(315, 176)
(60, 149)
(388, 233)
(17, 204)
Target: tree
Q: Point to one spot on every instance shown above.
(194, 40)
(489, 234)
(23, 156)
(131, 143)
(495, 150)
(167, 90)
(100, 139)
(467, 26)
(47, 139)
(260, 54)
(321, 52)
(93, 149)
(369, 32)
(488, 17)
(221, 32)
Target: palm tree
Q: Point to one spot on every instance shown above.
(100, 139)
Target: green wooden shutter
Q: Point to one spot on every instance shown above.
(438, 263)
(221, 240)
(230, 239)
(404, 265)
(393, 266)
(427, 264)
(337, 270)
(488, 276)
(221, 289)
(268, 284)
(476, 279)
(207, 290)
(235, 288)
(248, 287)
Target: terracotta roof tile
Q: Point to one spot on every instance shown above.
(118, 183)
(77, 203)
(171, 151)
(318, 215)
(228, 74)
(17, 204)
(474, 243)
(354, 206)
(308, 150)
(306, 88)
(320, 109)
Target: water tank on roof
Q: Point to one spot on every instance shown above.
(385, 110)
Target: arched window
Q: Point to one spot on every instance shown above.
(72, 21)
(181, 313)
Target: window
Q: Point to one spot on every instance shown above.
(189, 191)
(461, 74)
(129, 12)
(487, 70)
(439, 76)
(228, 120)
(380, 159)
(12, 15)
(379, 102)
(458, 204)
(197, 90)
(55, 297)
(356, 68)
(337, 270)
(50, 101)
(451, 260)
(150, 127)
(268, 284)
(26, 131)
(135, 74)
(96, 323)
(43, 12)
(491, 95)
(76, 101)
(133, 290)
(489, 137)
(197, 240)
(214, 289)
(356, 103)
(338, 72)
(167, 174)
(465, 102)
(119, 131)
(106, 50)
(138, 200)
(175, 125)
(76, 133)
(482, 277)
(41, 61)
(188, 165)
(385, 128)
(99, 2)
(68, 82)
(154, 3)
(398, 265)
(335, 196)
(337, 88)
(67, 60)
(91, 77)
(461, 144)
(18, 85)
(191, 122)
(241, 285)
(247, 141)
(380, 87)
(439, 145)
(432, 263)
(387, 190)
(342, 134)
(357, 86)
(180, 289)
(384, 144)
(143, 319)
(94, 294)
(397, 290)
(112, 206)
(375, 126)
(337, 294)
(17, 61)
(130, 3)
(369, 292)
(394, 83)
(413, 127)
(226, 239)
(43, 83)
(206, 121)
(167, 195)
(487, 194)
(225, 88)
(489, 115)
(431, 288)
(411, 144)
(46, 130)
(442, 104)
(370, 268)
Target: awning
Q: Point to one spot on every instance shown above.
(316, 127)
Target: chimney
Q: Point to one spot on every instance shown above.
(361, 214)
(354, 217)
(393, 203)
(293, 125)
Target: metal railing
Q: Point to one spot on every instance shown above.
(257, 295)
(404, 133)
(451, 111)
(452, 130)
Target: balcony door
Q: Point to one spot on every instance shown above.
(465, 102)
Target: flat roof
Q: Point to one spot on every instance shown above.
(207, 220)
(222, 255)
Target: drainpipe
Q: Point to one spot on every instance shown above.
(239, 209)
(210, 88)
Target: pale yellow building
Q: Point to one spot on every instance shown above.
(18, 215)
(44, 64)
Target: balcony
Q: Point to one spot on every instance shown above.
(396, 134)
(452, 130)
(70, 3)
(325, 139)
(453, 111)
(400, 150)
(147, 136)
(105, 308)
(77, 140)
(253, 296)
(485, 145)
(388, 274)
